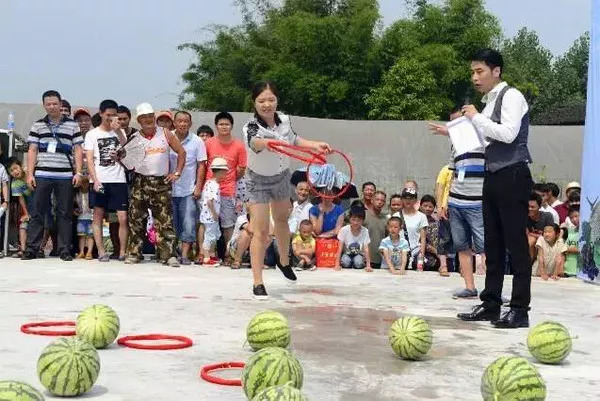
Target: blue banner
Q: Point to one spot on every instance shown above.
(590, 196)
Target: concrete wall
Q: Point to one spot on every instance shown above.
(389, 152)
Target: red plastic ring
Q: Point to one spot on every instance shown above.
(26, 328)
(205, 373)
(128, 341)
(281, 147)
(343, 190)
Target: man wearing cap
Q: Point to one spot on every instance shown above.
(504, 127)
(84, 119)
(573, 198)
(152, 188)
(164, 119)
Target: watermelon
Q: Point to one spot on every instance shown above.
(69, 366)
(268, 329)
(512, 378)
(549, 342)
(280, 393)
(410, 337)
(18, 391)
(99, 325)
(272, 366)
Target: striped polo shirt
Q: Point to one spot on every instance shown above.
(467, 186)
(62, 137)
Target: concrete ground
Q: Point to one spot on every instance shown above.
(339, 324)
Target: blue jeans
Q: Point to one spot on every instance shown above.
(185, 218)
(356, 261)
(466, 225)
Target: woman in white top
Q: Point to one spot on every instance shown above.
(268, 180)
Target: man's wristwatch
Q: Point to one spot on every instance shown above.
(177, 174)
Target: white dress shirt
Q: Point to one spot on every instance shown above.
(514, 107)
(299, 213)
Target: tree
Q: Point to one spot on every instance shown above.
(331, 59)
(528, 67)
(318, 51)
(440, 40)
(567, 86)
(408, 92)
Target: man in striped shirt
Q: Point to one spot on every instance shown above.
(465, 211)
(54, 154)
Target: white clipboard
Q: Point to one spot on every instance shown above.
(464, 136)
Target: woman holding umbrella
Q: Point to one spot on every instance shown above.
(268, 180)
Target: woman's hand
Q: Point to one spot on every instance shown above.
(322, 147)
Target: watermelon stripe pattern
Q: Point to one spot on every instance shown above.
(68, 366)
(549, 342)
(268, 329)
(512, 379)
(19, 391)
(280, 393)
(98, 324)
(272, 366)
(411, 337)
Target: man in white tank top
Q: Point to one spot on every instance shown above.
(152, 189)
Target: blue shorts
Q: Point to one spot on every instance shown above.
(115, 197)
(185, 216)
(466, 225)
(84, 228)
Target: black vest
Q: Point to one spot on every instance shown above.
(499, 155)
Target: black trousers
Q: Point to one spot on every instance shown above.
(505, 208)
(64, 192)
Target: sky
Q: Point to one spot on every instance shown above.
(127, 50)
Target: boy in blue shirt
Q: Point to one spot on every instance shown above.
(394, 248)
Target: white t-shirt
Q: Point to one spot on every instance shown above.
(554, 213)
(103, 143)
(414, 223)
(351, 242)
(211, 192)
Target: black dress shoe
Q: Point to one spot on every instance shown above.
(28, 255)
(513, 319)
(480, 314)
(66, 257)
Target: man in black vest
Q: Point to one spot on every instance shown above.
(504, 125)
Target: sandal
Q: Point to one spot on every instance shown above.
(235, 265)
(19, 255)
(444, 272)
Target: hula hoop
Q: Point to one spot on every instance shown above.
(282, 147)
(205, 373)
(343, 190)
(128, 341)
(26, 328)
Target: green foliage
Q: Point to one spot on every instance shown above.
(332, 59)
(317, 51)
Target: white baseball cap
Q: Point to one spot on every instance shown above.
(143, 109)
(573, 185)
(219, 163)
